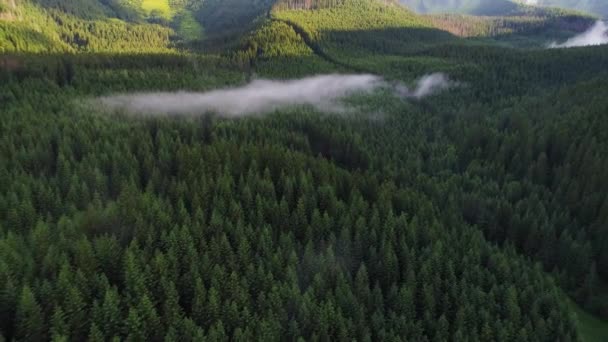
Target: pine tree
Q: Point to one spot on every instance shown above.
(29, 320)
(151, 322)
(134, 327)
(8, 304)
(95, 335)
(59, 327)
(109, 318)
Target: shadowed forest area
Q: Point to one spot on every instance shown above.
(476, 213)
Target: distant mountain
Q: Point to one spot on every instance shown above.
(597, 7)
(502, 7)
(476, 7)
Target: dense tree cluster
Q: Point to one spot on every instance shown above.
(260, 228)
(467, 216)
(307, 4)
(544, 178)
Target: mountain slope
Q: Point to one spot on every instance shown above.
(35, 29)
(183, 22)
(363, 27)
(151, 25)
(353, 30)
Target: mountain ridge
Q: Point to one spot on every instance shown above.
(501, 7)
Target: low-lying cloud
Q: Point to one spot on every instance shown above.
(260, 96)
(596, 35)
(427, 85)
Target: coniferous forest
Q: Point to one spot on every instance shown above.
(476, 213)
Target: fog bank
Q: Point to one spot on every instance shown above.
(596, 35)
(260, 96)
(427, 85)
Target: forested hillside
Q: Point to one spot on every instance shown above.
(35, 29)
(477, 213)
(121, 26)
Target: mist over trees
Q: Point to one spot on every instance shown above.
(477, 213)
